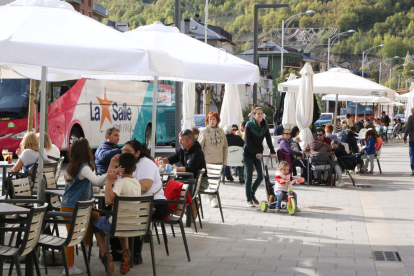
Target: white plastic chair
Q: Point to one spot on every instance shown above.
(378, 157)
(235, 156)
(362, 133)
(346, 146)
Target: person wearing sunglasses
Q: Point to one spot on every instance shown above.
(321, 136)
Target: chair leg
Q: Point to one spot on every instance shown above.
(65, 260)
(172, 230)
(36, 263)
(17, 263)
(131, 245)
(184, 239)
(219, 203)
(164, 235)
(194, 220)
(353, 182)
(201, 206)
(44, 259)
(77, 252)
(85, 257)
(90, 246)
(154, 271)
(108, 252)
(11, 267)
(379, 166)
(53, 257)
(156, 232)
(198, 212)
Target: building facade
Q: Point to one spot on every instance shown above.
(89, 8)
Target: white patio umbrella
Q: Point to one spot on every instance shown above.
(304, 105)
(410, 101)
(342, 82)
(202, 62)
(188, 104)
(289, 107)
(231, 110)
(49, 35)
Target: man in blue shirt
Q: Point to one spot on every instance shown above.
(107, 150)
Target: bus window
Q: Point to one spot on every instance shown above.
(14, 98)
(58, 89)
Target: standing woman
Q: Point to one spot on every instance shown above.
(213, 142)
(256, 131)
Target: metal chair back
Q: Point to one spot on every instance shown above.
(49, 167)
(59, 166)
(215, 175)
(79, 222)
(132, 216)
(198, 184)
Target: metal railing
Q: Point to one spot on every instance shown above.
(100, 9)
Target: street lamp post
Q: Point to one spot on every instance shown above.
(287, 22)
(392, 70)
(333, 38)
(365, 54)
(255, 30)
(385, 61)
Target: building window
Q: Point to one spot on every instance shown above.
(90, 14)
(89, 3)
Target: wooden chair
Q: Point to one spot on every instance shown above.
(175, 217)
(131, 217)
(59, 166)
(32, 227)
(79, 223)
(49, 167)
(215, 175)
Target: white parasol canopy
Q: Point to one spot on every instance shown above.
(410, 101)
(188, 104)
(304, 105)
(202, 62)
(342, 82)
(289, 107)
(231, 110)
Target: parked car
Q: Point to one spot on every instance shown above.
(401, 116)
(325, 118)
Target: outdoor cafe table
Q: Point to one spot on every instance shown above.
(9, 209)
(5, 165)
(186, 175)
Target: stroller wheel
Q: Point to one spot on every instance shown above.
(264, 206)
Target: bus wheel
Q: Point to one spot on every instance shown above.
(148, 137)
(75, 133)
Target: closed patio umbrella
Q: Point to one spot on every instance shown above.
(304, 105)
(188, 104)
(289, 108)
(231, 111)
(410, 102)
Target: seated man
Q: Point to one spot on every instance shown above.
(190, 156)
(339, 152)
(233, 140)
(397, 127)
(368, 124)
(359, 125)
(321, 136)
(329, 130)
(348, 136)
(295, 156)
(318, 148)
(107, 150)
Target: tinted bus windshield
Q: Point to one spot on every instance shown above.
(14, 98)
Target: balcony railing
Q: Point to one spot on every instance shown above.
(100, 10)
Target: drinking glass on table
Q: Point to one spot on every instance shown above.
(10, 157)
(5, 153)
(174, 169)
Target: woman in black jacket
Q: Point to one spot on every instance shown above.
(256, 130)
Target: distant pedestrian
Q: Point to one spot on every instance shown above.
(409, 131)
(275, 122)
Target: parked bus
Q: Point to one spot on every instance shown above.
(86, 108)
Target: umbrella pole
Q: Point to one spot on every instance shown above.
(336, 108)
(356, 111)
(41, 189)
(154, 115)
(31, 105)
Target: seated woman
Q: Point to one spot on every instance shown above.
(295, 139)
(50, 148)
(28, 153)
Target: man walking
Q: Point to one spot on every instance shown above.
(409, 131)
(387, 122)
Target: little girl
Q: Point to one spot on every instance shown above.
(283, 178)
(369, 151)
(79, 177)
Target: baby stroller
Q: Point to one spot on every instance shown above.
(288, 201)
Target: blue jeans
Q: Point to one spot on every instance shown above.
(275, 131)
(411, 151)
(279, 197)
(248, 168)
(303, 164)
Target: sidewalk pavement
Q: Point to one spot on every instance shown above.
(334, 235)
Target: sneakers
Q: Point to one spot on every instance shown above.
(230, 178)
(371, 173)
(277, 210)
(111, 265)
(340, 183)
(73, 271)
(250, 204)
(214, 203)
(125, 267)
(255, 201)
